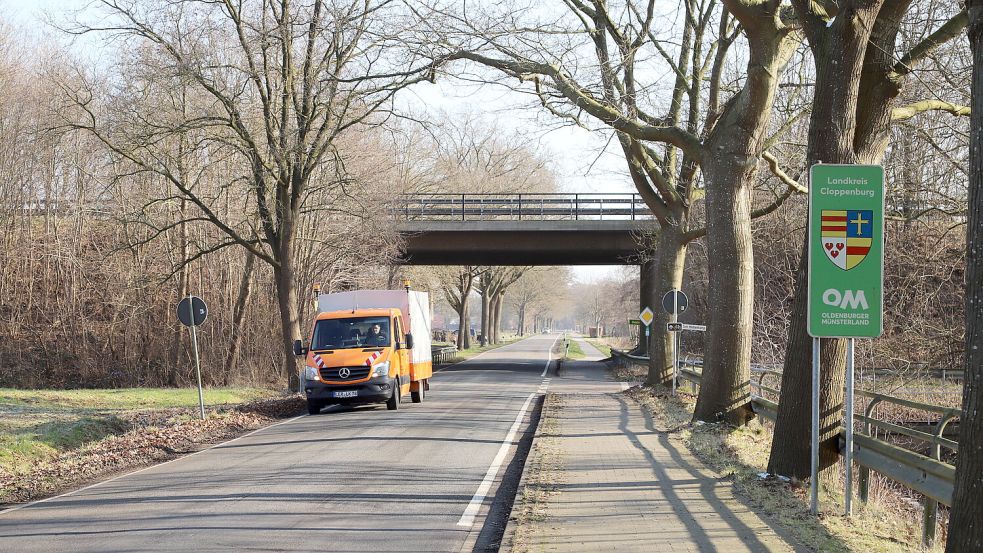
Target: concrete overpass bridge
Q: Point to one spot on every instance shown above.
(524, 229)
(530, 229)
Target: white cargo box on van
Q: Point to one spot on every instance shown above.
(414, 305)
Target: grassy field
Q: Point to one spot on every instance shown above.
(36, 425)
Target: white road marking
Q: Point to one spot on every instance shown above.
(549, 356)
(183, 457)
(467, 519)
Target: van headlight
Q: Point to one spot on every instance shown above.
(310, 373)
(381, 369)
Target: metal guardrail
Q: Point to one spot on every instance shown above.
(441, 354)
(927, 475)
(519, 207)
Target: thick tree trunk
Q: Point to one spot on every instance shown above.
(724, 390)
(966, 521)
(667, 273)
(648, 296)
(832, 126)
(287, 303)
(485, 316)
(735, 145)
(497, 318)
(790, 450)
(466, 326)
(462, 330)
(238, 314)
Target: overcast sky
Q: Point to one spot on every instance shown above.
(584, 161)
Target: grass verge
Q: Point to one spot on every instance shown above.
(36, 425)
(573, 350)
(602, 346)
(56, 440)
(742, 455)
(465, 354)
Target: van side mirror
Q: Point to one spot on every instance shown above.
(299, 348)
(409, 341)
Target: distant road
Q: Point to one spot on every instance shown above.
(366, 479)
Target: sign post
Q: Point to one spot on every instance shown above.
(846, 280)
(192, 312)
(674, 302)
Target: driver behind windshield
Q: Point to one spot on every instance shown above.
(375, 336)
(350, 333)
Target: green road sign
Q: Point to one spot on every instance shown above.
(846, 251)
(634, 322)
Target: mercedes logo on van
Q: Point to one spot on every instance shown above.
(344, 372)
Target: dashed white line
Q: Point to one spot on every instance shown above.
(549, 356)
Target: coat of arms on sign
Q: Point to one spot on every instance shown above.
(847, 235)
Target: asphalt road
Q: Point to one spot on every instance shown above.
(365, 479)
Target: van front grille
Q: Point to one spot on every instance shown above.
(355, 373)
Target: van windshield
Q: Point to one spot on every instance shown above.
(354, 332)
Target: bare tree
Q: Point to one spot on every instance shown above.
(859, 77)
(277, 86)
(726, 148)
(457, 284)
(532, 288)
(491, 286)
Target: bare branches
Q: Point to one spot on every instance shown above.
(791, 183)
(525, 70)
(949, 30)
(904, 113)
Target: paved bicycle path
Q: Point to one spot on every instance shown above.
(615, 483)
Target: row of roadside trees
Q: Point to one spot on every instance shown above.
(234, 128)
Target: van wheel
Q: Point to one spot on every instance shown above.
(313, 407)
(393, 402)
(418, 395)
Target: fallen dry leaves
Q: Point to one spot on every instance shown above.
(156, 436)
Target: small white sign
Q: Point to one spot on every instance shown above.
(701, 328)
(646, 316)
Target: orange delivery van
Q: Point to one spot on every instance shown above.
(368, 346)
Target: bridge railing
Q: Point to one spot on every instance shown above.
(484, 207)
(925, 474)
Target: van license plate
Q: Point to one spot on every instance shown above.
(350, 393)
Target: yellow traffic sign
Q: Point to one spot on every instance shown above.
(646, 316)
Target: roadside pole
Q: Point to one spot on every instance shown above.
(675, 349)
(646, 317)
(192, 311)
(194, 343)
(674, 302)
(814, 474)
(848, 499)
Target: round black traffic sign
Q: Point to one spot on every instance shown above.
(675, 301)
(192, 305)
